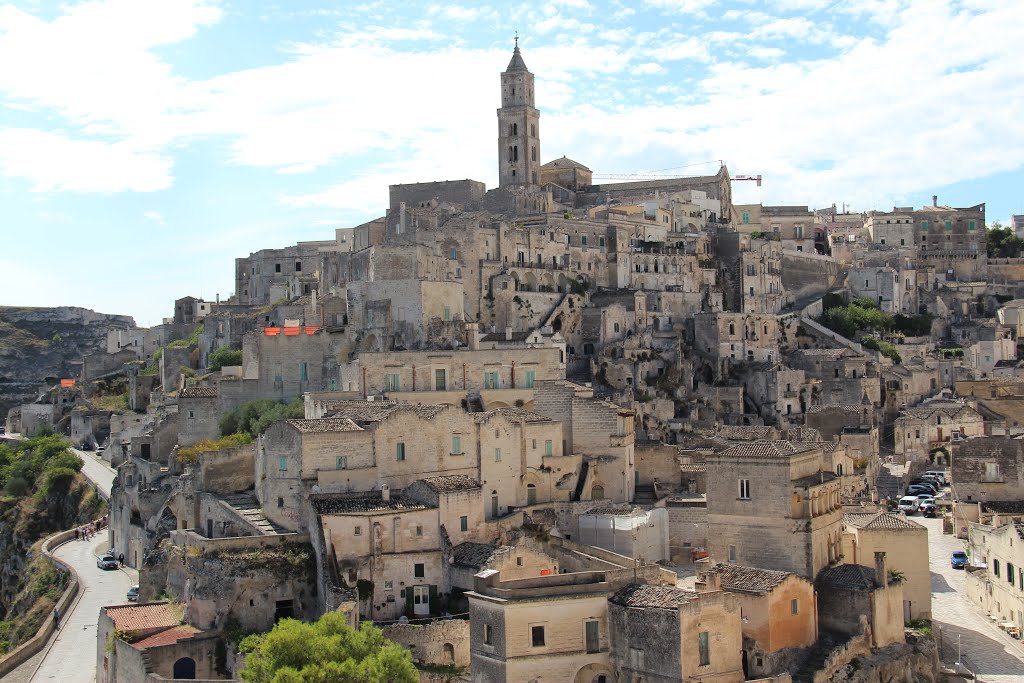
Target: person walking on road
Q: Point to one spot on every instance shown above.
(56, 618)
(76, 533)
(120, 559)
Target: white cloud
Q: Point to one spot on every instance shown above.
(681, 6)
(154, 217)
(55, 162)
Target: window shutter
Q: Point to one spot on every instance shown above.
(408, 601)
(434, 602)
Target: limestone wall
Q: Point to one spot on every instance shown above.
(442, 642)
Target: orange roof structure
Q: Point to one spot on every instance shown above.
(145, 617)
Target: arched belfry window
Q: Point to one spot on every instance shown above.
(515, 129)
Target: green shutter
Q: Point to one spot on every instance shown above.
(435, 604)
(409, 609)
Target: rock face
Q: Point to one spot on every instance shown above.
(40, 345)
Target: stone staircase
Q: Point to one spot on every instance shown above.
(147, 662)
(645, 495)
(248, 508)
(889, 482)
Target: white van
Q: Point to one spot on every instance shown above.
(908, 505)
(938, 474)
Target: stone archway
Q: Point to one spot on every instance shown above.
(185, 668)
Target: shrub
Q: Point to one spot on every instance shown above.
(190, 454)
(225, 355)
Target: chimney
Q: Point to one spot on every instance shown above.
(880, 573)
(508, 334)
(935, 200)
(385, 494)
(473, 336)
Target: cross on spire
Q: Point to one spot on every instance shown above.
(517, 39)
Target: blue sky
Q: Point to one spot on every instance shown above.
(144, 144)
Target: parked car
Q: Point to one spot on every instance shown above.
(940, 474)
(923, 498)
(915, 489)
(133, 594)
(958, 560)
(908, 505)
(928, 509)
(107, 562)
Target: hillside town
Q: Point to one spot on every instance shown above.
(565, 431)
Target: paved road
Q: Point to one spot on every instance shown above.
(72, 655)
(97, 470)
(990, 653)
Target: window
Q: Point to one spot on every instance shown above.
(531, 376)
(391, 382)
(280, 502)
(303, 372)
(497, 455)
(419, 530)
(447, 313)
(704, 645)
(456, 445)
(636, 658)
(440, 382)
(298, 266)
(615, 327)
(924, 226)
(417, 570)
(519, 562)
(593, 631)
(400, 451)
(531, 494)
(745, 217)
(537, 636)
(995, 567)
(744, 489)
(452, 254)
(488, 634)
(794, 606)
(732, 553)
(583, 240)
(463, 523)
(357, 531)
(490, 380)
(949, 225)
(1009, 573)
(991, 471)
(750, 269)
(971, 225)
(282, 463)
(341, 463)
(277, 267)
(548, 449)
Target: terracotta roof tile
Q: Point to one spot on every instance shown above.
(513, 414)
(168, 637)
(881, 520)
(849, 577)
(348, 503)
(658, 597)
(764, 449)
(476, 555)
(144, 617)
(451, 482)
(325, 425)
(740, 579)
(198, 392)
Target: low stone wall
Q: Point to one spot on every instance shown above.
(32, 646)
(443, 642)
(190, 539)
(858, 646)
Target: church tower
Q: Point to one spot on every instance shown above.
(518, 127)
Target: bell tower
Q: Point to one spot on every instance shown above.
(518, 127)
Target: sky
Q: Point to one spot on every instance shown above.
(145, 144)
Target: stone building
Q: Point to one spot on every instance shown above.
(779, 612)
(663, 634)
(905, 544)
(935, 425)
(996, 586)
(773, 505)
(988, 469)
(855, 599)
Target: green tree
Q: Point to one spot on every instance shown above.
(225, 355)
(327, 651)
(254, 417)
(1002, 243)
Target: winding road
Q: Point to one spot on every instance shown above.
(70, 656)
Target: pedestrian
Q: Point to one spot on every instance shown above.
(120, 559)
(76, 533)
(56, 618)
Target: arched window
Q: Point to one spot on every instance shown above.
(515, 152)
(533, 153)
(515, 129)
(531, 494)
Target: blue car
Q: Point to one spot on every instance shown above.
(958, 560)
